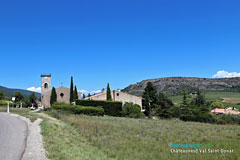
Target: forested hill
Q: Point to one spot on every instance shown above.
(175, 85)
(10, 92)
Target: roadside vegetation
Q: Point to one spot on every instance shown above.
(72, 137)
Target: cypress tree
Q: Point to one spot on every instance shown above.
(89, 95)
(75, 93)
(184, 97)
(83, 96)
(199, 99)
(53, 98)
(151, 97)
(109, 97)
(71, 91)
(147, 105)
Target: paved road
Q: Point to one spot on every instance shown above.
(13, 133)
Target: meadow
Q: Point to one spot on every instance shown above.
(126, 138)
(229, 99)
(73, 137)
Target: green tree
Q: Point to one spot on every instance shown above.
(1, 95)
(132, 110)
(216, 104)
(109, 97)
(18, 97)
(147, 104)
(150, 98)
(164, 105)
(185, 97)
(71, 91)
(152, 92)
(199, 99)
(75, 93)
(89, 95)
(53, 97)
(83, 96)
(33, 99)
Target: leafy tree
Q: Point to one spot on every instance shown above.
(75, 93)
(84, 96)
(53, 97)
(216, 104)
(132, 110)
(18, 97)
(109, 97)
(33, 99)
(71, 91)
(1, 95)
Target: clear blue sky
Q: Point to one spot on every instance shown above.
(116, 41)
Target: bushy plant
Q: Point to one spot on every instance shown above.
(132, 110)
(163, 106)
(111, 108)
(228, 119)
(75, 109)
(216, 104)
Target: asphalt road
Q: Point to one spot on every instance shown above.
(13, 134)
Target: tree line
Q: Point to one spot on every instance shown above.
(192, 108)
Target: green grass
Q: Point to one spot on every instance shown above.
(228, 98)
(130, 139)
(74, 137)
(63, 142)
(25, 112)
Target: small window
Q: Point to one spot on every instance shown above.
(117, 94)
(61, 95)
(45, 85)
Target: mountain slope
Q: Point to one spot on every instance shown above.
(175, 85)
(10, 92)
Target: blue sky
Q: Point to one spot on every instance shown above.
(120, 42)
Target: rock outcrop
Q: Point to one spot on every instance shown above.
(175, 85)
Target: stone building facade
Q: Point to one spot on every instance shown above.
(117, 95)
(63, 93)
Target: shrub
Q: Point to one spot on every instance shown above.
(132, 110)
(229, 118)
(216, 104)
(75, 109)
(197, 114)
(175, 111)
(3, 103)
(111, 108)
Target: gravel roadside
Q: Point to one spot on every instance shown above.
(34, 146)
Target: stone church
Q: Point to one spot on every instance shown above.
(63, 93)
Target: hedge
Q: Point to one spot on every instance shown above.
(76, 109)
(111, 108)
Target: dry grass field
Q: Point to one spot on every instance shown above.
(74, 137)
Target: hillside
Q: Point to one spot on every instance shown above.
(175, 85)
(10, 91)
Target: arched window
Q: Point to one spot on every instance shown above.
(45, 85)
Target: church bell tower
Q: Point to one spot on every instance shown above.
(45, 87)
